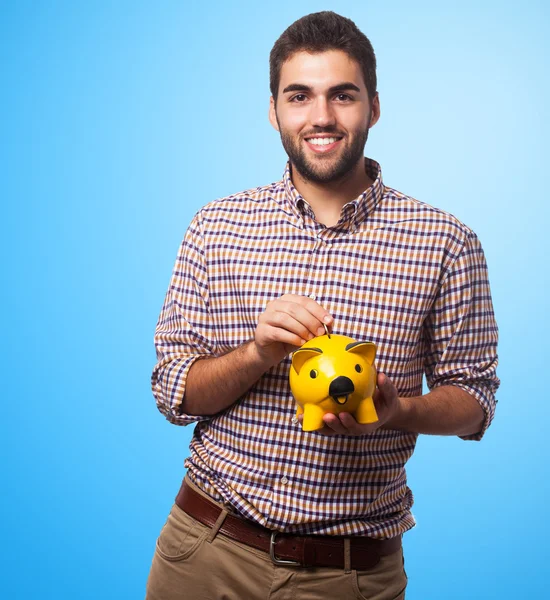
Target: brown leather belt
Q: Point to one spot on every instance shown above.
(285, 549)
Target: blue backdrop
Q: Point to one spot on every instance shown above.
(119, 121)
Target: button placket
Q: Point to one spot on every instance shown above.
(323, 258)
(317, 245)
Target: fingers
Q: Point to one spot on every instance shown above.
(297, 314)
(288, 321)
(326, 430)
(306, 311)
(342, 424)
(335, 425)
(345, 424)
(272, 334)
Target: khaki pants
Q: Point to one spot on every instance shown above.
(188, 566)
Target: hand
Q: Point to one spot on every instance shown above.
(386, 402)
(286, 324)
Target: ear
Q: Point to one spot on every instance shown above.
(273, 113)
(300, 356)
(375, 110)
(365, 349)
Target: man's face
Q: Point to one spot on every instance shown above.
(323, 114)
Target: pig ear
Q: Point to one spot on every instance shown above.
(300, 356)
(366, 349)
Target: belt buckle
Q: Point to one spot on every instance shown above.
(279, 561)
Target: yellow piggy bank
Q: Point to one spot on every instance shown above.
(332, 374)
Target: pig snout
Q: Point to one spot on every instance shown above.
(340, 388)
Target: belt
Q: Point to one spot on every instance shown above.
(286, 549)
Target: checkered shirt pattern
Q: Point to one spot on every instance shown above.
(394, 271)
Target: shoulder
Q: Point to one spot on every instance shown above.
(397, 207)
(247, 201)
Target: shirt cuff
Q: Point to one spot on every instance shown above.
(486, 400)
(169, 402)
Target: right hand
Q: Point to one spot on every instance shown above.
(286, 324)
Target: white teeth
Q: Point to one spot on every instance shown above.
(322, 141)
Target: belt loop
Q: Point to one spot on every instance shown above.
(347, 555)
(217, 525)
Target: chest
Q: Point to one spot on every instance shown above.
(378, 285)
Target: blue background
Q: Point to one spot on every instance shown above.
(119, 121)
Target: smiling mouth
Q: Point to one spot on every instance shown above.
(323, 141)
(341, 399)
(321, 145)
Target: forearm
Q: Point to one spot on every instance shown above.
(446, 410)
(213, 384)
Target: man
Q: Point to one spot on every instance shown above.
(267, 510)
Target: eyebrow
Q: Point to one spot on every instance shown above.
(301, 87)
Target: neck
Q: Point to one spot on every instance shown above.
(327, 199)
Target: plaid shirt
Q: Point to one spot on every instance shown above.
(394, 271)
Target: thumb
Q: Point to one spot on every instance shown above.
(385, 387)
(382, 380)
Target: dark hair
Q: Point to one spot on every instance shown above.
(319, 32)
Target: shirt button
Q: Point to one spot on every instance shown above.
(313, 296)
(295, 420)
(284, 479)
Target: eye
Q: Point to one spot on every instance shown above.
(298, 98)
(313, 373)
(343, 97)
(359, 368)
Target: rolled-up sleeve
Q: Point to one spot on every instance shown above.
(461, 332)
(184, 329)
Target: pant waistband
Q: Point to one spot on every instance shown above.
(355, 552)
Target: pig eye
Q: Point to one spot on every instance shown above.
(359, 368)
(313, 373)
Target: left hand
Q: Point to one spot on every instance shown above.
(386, 402)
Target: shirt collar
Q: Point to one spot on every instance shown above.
(359, 208)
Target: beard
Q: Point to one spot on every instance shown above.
(318, 172)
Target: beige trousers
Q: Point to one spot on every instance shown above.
(189, 565)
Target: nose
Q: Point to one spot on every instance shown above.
(341, 386)
(322, 114)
